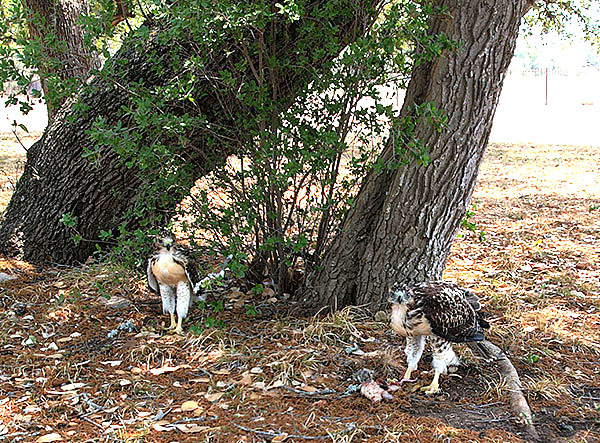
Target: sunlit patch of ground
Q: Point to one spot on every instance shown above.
(12, 161)
(248, 370)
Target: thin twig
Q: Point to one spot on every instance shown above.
(318, 392)
(17, 434)
(92, 422)
(299, 436)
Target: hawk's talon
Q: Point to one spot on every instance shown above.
(430, 390)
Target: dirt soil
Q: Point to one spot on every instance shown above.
(83, 356)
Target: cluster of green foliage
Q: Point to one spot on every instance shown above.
(24, 53)
(295, 166)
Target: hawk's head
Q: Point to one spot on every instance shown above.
(400, 293)
(165, 242)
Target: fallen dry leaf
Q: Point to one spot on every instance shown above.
(200, 380)
(307, 388)
(268, 293)
(49, 437)
(165, 369)
(246, 379)
(72, 386)
(279, 438)
(160, 426)
(190, 429)
(189, 405)
(216, 396)
(275, 384)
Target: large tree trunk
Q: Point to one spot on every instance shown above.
(58, 180)
(55, 25)
(404, 220)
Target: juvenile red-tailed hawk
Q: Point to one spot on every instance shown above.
(173, 273)
(442, 312)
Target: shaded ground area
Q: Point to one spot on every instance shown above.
(78, 366)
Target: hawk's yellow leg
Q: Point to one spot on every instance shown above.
(179, 329)
(173, 323)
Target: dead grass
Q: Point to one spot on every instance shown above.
(265, 374)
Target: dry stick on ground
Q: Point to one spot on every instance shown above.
(491, 352)
(518, 403)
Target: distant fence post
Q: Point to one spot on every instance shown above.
(546, 87)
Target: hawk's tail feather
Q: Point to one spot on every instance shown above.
(483, 323)
(480, 349)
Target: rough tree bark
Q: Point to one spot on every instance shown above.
(58, 180)
(68, 56)
(404, 220)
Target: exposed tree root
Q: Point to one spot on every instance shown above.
(518, 403)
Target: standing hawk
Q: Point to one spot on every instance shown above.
(443, 312)
(173, 273)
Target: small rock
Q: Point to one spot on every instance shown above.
(29, 341)
(363, 376)
(6, 277)
(117, 303)
(268, 292)
(128, 326)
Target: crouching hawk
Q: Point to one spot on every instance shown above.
(173, 273)
(441, 312)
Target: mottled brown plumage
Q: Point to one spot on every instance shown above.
(173, 273)
(440, 311)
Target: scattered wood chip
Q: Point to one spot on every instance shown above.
(279, 438)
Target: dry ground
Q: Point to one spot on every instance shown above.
(249, 370)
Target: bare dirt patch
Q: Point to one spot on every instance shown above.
(250, 370)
